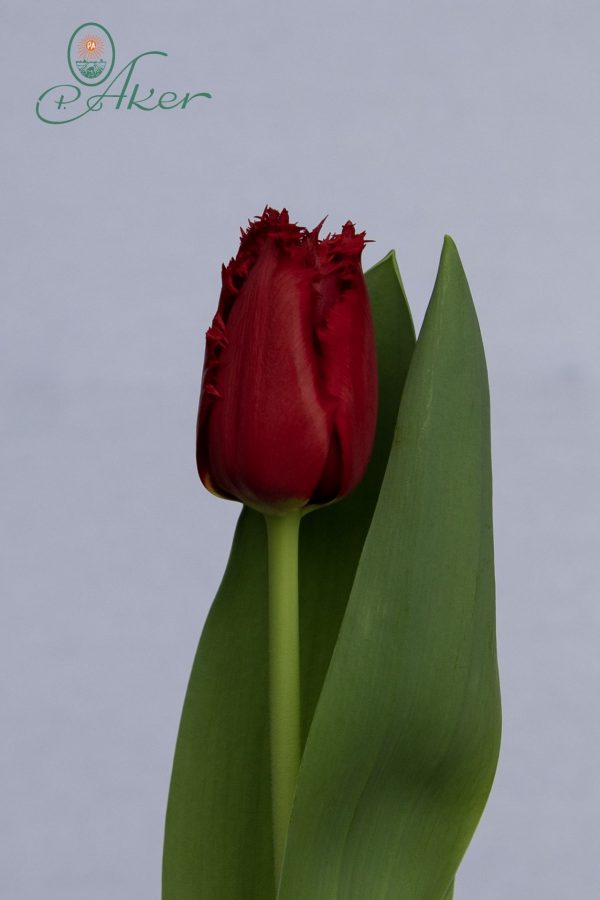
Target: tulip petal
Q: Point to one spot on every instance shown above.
(261, 446)
(346, 352)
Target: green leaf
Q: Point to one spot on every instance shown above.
(218, 843)
(404, 741)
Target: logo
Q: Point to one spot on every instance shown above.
(91, 57)
(91, 53)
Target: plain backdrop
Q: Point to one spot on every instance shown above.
(479, 119)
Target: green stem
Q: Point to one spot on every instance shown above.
(284, 672)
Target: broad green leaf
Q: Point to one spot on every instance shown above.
(218, 831)
(403, 745)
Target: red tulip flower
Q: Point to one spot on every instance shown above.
(289, 391)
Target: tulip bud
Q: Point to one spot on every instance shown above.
(288, 403)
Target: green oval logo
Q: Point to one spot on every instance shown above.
(91, 53)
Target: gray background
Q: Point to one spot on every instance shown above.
(475, 118)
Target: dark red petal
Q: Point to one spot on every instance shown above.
(344, 334)
(272, 225)
(268, 433)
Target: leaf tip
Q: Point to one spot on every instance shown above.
(450, 252)
(390, 257)
(451, 271)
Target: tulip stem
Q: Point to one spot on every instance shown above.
(284, 672)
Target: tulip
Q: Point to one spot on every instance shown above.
(289, 391)
(286, 423)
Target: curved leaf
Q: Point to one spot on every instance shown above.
(403, 745)
(218, 829)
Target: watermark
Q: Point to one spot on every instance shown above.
(91, 57)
